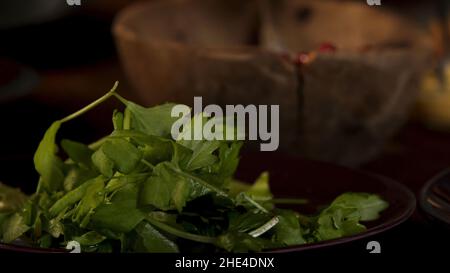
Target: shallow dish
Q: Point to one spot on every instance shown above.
(320, 183)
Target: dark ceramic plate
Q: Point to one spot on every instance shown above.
(320, 183)
(435, 197)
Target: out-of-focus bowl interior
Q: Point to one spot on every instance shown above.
(339, 107)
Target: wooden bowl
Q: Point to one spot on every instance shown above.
(339, 107)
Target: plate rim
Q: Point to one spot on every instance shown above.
(424, 205)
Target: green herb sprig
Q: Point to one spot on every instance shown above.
(139, 190)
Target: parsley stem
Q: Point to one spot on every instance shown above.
(122, 99)
(202, 182)
(180, 233)
(254, 203)
(266, 227)
(96, 144)
(92, 105)
(148, 164)
(126, 119)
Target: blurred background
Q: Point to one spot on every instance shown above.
(358, 85)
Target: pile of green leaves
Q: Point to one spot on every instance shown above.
(139, 190)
